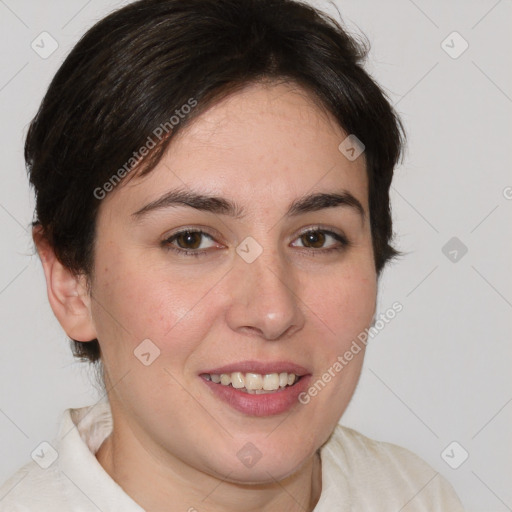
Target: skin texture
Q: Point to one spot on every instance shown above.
(174, 441)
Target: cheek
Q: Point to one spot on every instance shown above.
(135, 302)
(345, 304)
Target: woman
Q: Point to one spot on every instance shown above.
(212, 183)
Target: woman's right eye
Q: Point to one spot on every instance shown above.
(188, 242)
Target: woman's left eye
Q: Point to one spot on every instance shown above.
(190, 242)
(316, 239)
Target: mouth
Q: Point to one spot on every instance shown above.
(258, 389)
(254, 383)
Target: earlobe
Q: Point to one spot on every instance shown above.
(67, 292)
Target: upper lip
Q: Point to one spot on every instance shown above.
(260, 367)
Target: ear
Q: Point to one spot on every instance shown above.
(67, 293)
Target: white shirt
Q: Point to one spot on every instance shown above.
(358, 474)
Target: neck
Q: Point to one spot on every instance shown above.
(154, 485)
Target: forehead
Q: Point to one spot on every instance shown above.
(264, 145)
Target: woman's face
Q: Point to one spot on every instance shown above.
(254, 294)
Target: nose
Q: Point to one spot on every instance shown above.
(265, 297)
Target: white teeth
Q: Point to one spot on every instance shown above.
(237, 380)
(271, 381)
(254, 383)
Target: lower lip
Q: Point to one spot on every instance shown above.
(265, 404)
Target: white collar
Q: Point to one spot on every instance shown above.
(81, 433)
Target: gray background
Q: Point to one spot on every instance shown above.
(440, 371)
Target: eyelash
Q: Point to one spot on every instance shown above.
(345, 243)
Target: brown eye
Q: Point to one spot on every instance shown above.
(189, 239)
(314, 239)
(321, 241)
(189, 242)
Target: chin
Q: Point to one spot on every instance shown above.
(262, 473)
(270, 463)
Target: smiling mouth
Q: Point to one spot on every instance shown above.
(254, 383)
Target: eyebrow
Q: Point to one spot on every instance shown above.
(220, 205)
